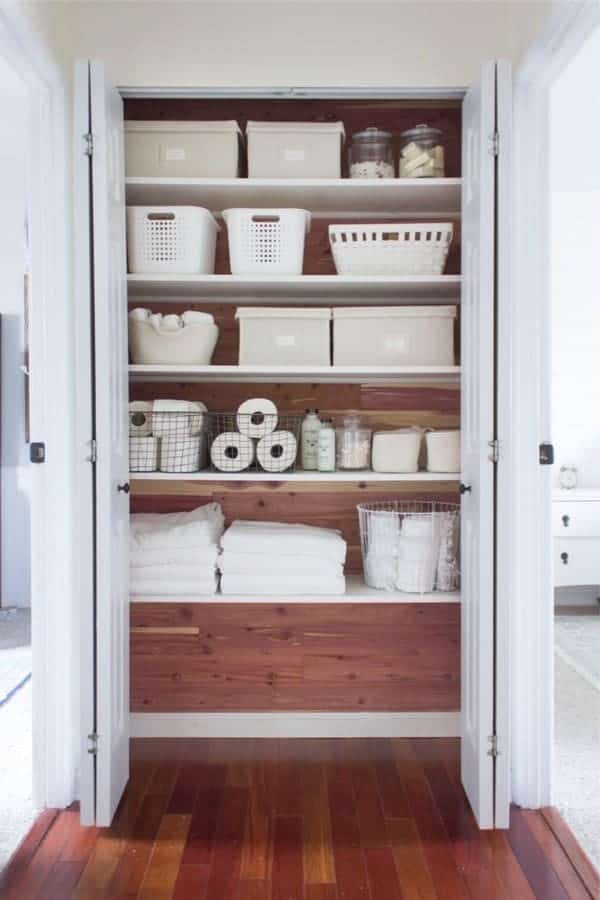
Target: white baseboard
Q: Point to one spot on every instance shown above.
(295, 725)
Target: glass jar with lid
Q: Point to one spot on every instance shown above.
(422, 153)
(353, 444)
(371, 154)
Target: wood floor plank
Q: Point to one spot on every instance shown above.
(253, 889)
(35, 876)
(62, 880)
(290, 773)
(227, 849)
(27, 849)
(318, 851)
(556, 856)
(391, 792)
(383, 878)
(350, 864)
(192, 881)
(509, 874)
(288, 870)
(369, 811)
(543, 879)
(413, 872)
(100, 867)
(321, 892)
(163, 868)
(580, 860)
(257, 850)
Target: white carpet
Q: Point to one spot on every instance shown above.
(16, 812)
(577, 642)
(577, 755)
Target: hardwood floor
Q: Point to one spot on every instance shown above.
(297, 820)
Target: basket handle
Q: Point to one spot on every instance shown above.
(161, 217)
(266, 218)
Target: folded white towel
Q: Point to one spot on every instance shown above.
(275, 538)
(170, 573)
(274, 585)
(234, 562)
(204, 556)
(159, 531)
(143, 587)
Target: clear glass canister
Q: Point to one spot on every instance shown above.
(422, 153)
(371, 154)
(353, 445)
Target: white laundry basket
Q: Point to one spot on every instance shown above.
(176, 239)
(268, 241)
(391, 248)
(191, 345)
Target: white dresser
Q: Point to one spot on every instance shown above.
(576, 531)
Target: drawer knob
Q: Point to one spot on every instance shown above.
(566, 520)
(565, 558)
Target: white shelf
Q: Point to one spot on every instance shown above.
(325, 197)
(301, 375)
(319, 477)
(356, 592)
(305, 289)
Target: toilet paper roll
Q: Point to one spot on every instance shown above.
(140, 418)
(232, 452)
(277, 452)
(257, 417)
(177, 418)
(179, 454)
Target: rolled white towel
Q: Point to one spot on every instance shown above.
(171, 323)
(239, 563)
(193, 317)
(285, 586)
(140, 314)
(283, 537)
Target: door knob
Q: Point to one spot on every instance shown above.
(565, 521)
(124, 488)
(565, 558)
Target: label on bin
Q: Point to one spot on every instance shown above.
(398, 343)
(292, 155)
(285, 340)
(174, 154)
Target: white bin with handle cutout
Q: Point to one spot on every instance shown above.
(266, 241)
(180, 240)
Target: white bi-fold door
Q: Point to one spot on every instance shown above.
(102, 416)
(103, 457)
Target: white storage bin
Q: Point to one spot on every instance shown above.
(394, 336)
(295, 149)
(269, 241)
(390, 248)
(443, 451)
(182, 149)
(190, 345)
(143, 454)
(177, 239)
(396, 451)
(284, 337)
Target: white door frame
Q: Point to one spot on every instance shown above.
(525, 413)
(51, 341)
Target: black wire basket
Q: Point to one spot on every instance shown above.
(257, 442)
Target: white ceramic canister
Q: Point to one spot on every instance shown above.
(396, 451)
(443, 451)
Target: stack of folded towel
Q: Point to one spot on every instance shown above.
(175, 554)
(418, 553)
(270, 558)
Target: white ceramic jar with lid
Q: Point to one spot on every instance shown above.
(353, 444)
(422, 153)
(371, 154)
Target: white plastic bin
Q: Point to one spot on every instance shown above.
(394, 336)
(295, 149)
(284, 337)
(267, 241)
(182, 149)
(178, 239)
(192, 344)
(443, 451)
(390, 248)
(396, 451)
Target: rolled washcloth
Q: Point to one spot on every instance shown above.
(236, 563)
(144, 587)
(187, 530)
(173, 556)
(275, 538)
(177, 418)
(284, 585)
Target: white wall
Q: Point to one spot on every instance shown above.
(14, 487)
(368, 43)
(575, 253)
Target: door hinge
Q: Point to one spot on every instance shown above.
(495, 143)
(93, 456)
(88, 144)
(494, 450)
(493, 742)
(93, 739)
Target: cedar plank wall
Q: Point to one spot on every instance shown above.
(265, 656)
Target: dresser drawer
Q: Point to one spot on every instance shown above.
(576, 562)
(576, 519)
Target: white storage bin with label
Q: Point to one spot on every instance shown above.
(187, 340)
(443, 451)
(295, 149)
(181, 240)
(182, 149)
(393, 336)
(267, 241)
(390, 248)
(284, 337)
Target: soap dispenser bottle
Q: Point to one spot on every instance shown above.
(311, 426)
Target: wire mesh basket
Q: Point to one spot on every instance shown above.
(411, 547)
(167, 441)
(257, 442)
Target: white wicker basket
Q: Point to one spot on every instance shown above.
(177, 239)
(391, 248)
(269, 241)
